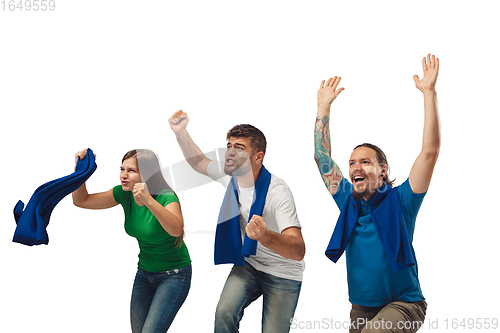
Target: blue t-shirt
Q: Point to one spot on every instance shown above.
(369, 275)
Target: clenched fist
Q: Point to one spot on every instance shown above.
(141, 194)
(256, 228)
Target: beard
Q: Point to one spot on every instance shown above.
(230, 170)
(357, 195)
(238, 169)
(367, 192)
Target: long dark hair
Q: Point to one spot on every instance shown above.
(382, 160)
(150, 171)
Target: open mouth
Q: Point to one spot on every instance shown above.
(358, 179)
(230, 162)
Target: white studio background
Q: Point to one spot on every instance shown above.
(108, 75)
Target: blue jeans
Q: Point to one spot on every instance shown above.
(156, 298)
(243, 286)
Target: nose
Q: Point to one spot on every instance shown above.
(231, 151)
(356, 167)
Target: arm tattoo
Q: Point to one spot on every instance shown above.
(329, 170)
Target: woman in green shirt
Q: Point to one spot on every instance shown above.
(153, 216)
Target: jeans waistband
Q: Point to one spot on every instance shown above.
(171, 271)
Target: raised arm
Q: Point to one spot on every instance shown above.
(82, 199)
(423, 167)
(193, 155)
(329, 170)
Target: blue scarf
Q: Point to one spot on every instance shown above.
(33, 221)
(385, 210)
(228, 247)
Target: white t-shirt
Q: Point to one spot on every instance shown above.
(279, 214)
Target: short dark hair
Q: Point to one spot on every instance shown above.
(257, 138)
(381, 158)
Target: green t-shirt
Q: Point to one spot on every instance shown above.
(158, 251)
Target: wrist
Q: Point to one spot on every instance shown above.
(429, 92)
(266, 237)
(180, 133)
(323, 109)
(148, 200)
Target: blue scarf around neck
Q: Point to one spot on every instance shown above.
(385, 210)
(228, 247)
(33, 221)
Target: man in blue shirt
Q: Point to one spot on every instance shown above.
(377, 221)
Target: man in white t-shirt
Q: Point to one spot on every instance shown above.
(275, 271)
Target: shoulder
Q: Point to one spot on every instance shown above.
(277, 185)
(343, 191)
(279, 192)
(215, 170)
(404, 190)
(277, 182)
(119, 194)
(166, 196)
(410, 201)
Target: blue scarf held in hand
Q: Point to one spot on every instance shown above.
(385, 210)
(228, 247)
(33, 221)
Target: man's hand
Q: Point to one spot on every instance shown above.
(256, 228)
(430, 65)
(328, 92)
(141, 194)
(178, 121)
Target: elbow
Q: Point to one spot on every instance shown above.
(176, 233)
(316, 158)
(300, 253)
(431, 154)
(299, 257)
(78, 203)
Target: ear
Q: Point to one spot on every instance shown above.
(385, 170)
(259, 157)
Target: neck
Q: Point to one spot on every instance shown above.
(249, 179)
(367, 195)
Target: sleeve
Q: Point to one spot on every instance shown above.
(215, 171)
(283, 208)
(343, 192)
(410, 203)
(119, 194)
(167, 197)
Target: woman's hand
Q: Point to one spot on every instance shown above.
(81, 155)
(141, 194)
